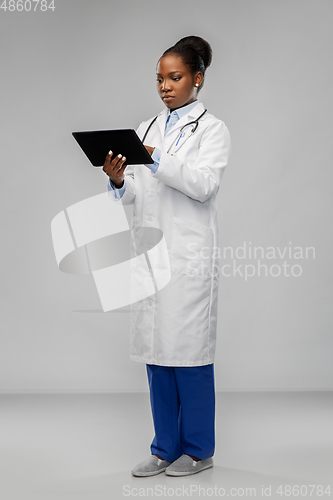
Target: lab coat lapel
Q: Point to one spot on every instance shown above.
(161, 119)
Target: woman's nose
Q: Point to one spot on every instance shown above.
(165, 85)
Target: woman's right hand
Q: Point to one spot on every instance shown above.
(115, 168)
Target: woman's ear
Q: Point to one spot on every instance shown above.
(198, 79)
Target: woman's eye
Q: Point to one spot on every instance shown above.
(177, 78)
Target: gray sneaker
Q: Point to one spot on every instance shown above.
(185, 466)
(150, 467)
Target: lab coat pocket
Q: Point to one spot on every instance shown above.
(191, 248)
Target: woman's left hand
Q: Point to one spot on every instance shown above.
(149, 149)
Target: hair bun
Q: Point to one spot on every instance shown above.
(200, 45)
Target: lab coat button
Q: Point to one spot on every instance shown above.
(150, 302)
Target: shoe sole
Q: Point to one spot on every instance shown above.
(145, 474)
(183, 473)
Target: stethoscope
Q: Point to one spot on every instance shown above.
(181, 133)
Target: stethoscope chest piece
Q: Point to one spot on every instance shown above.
(184, 134)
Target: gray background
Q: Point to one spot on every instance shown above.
(91, 65)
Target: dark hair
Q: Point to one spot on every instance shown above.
(195, 52)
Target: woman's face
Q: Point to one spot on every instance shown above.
(175, 83)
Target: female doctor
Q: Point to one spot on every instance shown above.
(174, 331)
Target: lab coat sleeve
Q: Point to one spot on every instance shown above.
(156, 156)
(200, 178)
(114, 192)
(126, 196)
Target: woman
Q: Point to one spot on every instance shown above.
(174, 331)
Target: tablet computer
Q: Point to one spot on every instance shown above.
(96, 145)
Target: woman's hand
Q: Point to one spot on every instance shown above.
(115, 168)
(149, 149)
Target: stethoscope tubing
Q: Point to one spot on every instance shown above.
(194, 122)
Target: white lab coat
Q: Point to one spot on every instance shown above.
(177, 325)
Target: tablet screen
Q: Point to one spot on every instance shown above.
(96, 145)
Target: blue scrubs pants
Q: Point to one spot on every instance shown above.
(183, 408)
